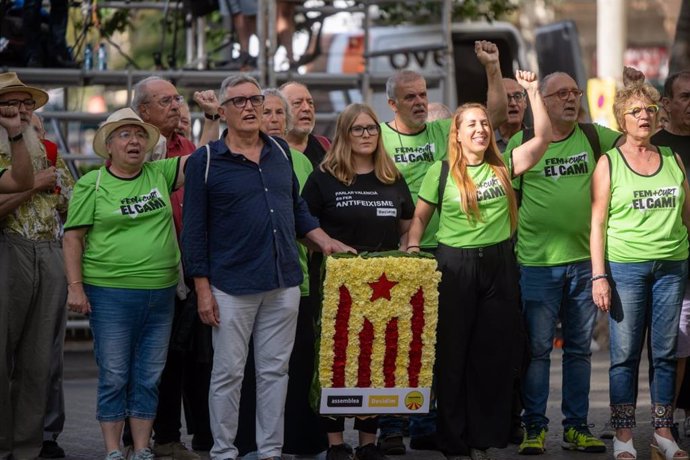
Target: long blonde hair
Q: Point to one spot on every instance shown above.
(458, 169)
(338, 160)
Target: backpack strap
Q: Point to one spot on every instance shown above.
(208, 163)
(442, 180)
(593, 139)
(98, 179)
(288, 156)
(324, 141)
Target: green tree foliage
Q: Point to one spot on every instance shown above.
(430, 12)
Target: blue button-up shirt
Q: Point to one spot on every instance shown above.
(240, 224)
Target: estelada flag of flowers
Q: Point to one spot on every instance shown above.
(378, 321)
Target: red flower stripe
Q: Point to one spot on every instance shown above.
(342, 319)
(366, 344)
(415, 365)
(391, 353)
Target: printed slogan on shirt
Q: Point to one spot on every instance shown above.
(415, 154)
(141, 204)
(576, 165)
(659, 199)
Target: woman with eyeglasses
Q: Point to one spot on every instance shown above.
(479, 297)
(121, 262)
(361, 199)
(639, 249)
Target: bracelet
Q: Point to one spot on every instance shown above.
(74, 282)
(599, 277)
(413, 246)
(211, 117)
(17, 138)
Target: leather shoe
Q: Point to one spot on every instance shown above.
(51, 449)
(424, 442)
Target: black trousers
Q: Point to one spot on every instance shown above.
(684, 395)
(337, 424)
(477, 329)
(186, 376)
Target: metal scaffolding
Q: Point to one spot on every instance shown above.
(194, 77)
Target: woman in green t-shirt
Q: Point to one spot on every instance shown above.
(639, 248)
(121, 261)
(478, 293)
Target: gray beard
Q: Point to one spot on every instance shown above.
(31, 140)
(302, 133)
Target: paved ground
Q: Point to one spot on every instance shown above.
(82, 438)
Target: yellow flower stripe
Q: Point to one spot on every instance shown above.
(355, 274)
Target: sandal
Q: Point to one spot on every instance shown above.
(666, 449)
(621, 447)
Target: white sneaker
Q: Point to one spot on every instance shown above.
(686, 427)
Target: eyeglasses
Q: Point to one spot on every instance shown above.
(637, 111)
(564, 94)
(241, 101)
(167, 100)
(129, 135)
(358, 131)
(28, 103)
(517, 97)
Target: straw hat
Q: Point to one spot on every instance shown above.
(117, 119)
(9, 83)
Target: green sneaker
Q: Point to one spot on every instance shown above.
(533, 441)
(579, 438)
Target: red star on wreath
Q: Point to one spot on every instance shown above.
(381, 288)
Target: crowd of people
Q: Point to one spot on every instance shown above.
(199, 266)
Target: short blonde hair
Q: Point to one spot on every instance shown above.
(641, 91)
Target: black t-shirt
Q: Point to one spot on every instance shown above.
(314, 151)
(679, 144)
(364, 215)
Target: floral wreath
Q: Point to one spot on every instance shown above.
(378, 321)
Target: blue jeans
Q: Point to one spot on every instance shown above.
(420, 425)
(645, 293)
(548, 294)
(131, 331)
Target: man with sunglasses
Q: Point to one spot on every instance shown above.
(34, 290)
(239, 246)
(553, 253)
(157, 102)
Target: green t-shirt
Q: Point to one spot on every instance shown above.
(302, 167)
(413, 154)
(131, 240)
(645, 212)
(455, 228)
(556, 208)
